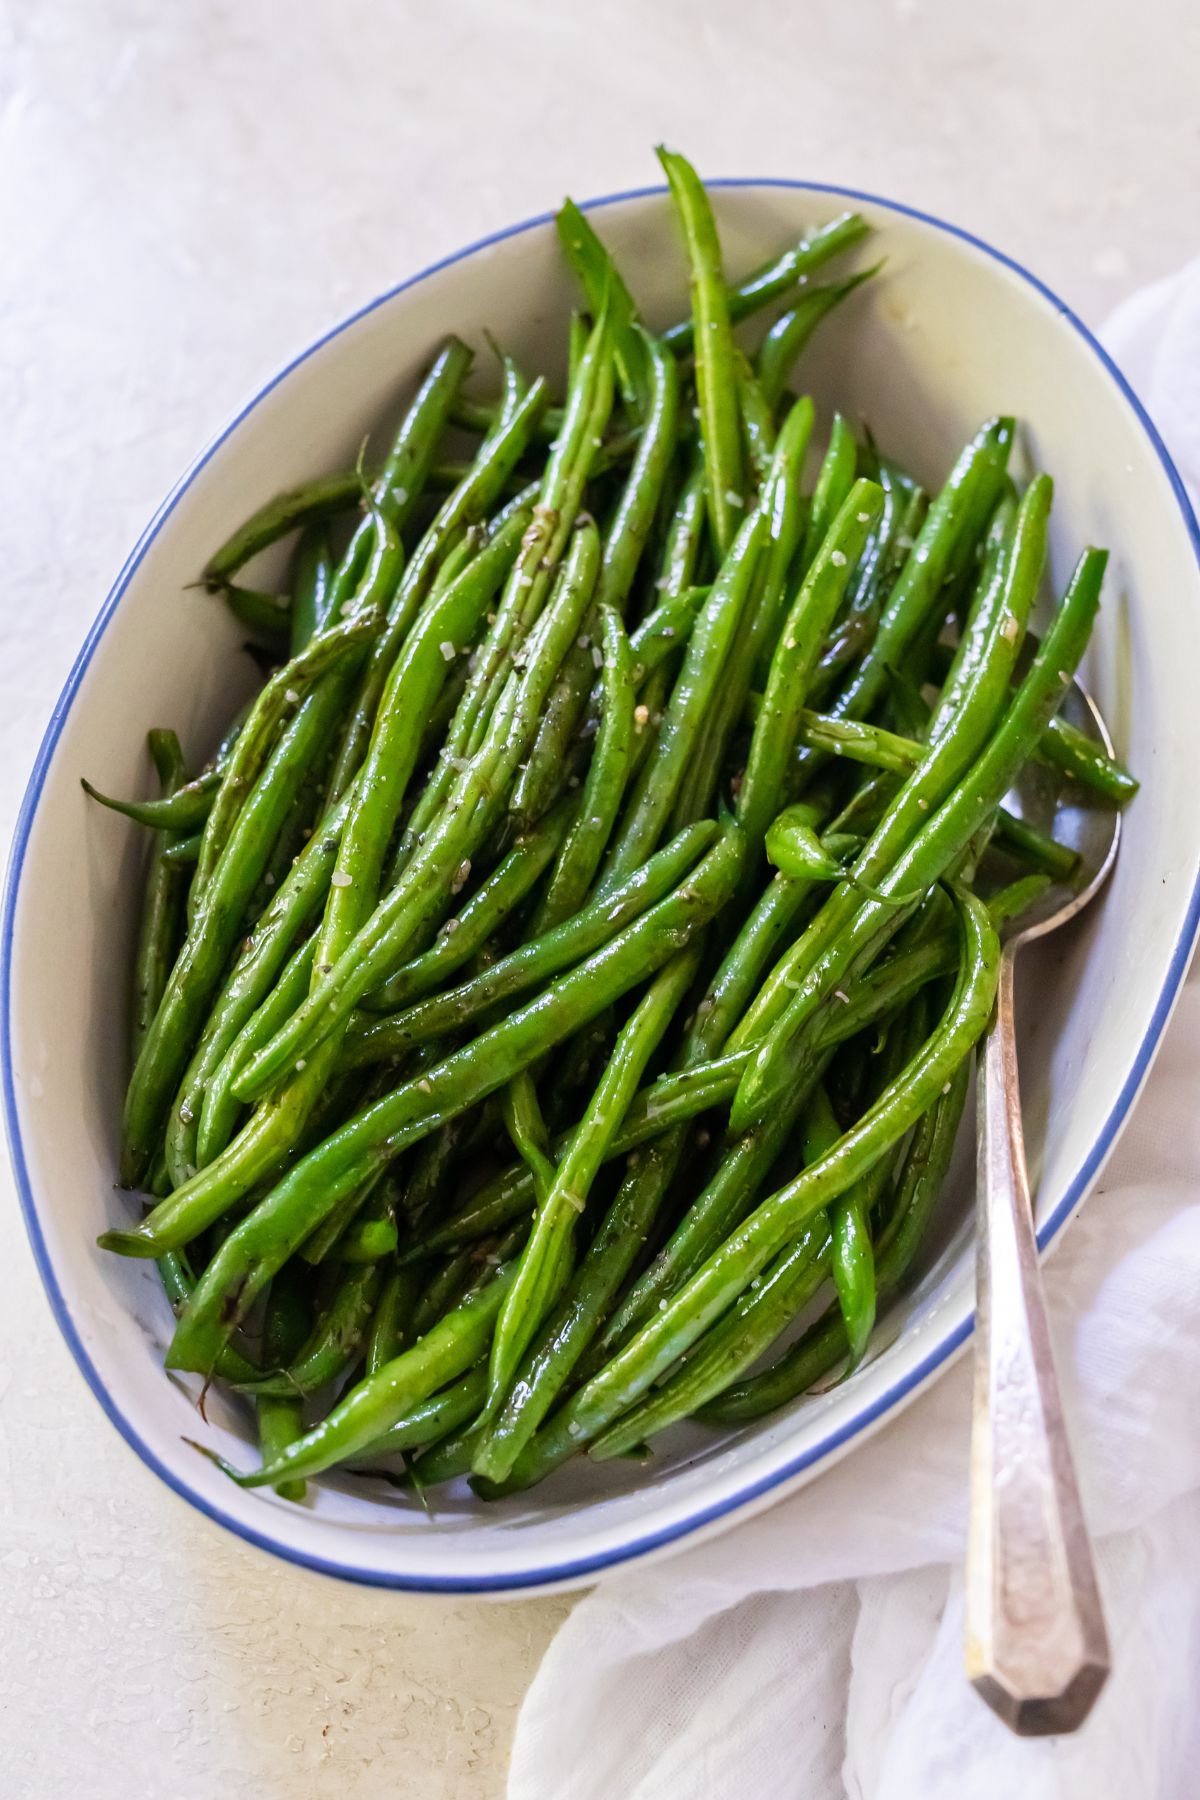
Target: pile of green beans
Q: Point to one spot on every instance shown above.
(554, 999)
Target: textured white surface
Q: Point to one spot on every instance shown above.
(186, 195)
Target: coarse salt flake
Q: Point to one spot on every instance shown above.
(838, 558)
(641, 716)
(341, 880)
(447, 649)
(291, 696)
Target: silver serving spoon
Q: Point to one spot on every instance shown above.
(1036, 1644)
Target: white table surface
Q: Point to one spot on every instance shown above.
(188, 193)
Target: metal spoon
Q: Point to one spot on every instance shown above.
(1036, 1644)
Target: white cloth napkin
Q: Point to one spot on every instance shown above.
(816, 1651)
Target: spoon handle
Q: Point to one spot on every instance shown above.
(1036, 1644)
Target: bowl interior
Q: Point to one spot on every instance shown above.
(947, 335)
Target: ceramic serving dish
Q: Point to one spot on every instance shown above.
(949, 333)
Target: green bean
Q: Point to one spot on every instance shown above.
(757, 416)
(602, 284)
(585, 842)
(881, 749)
(467, 504)
(857, 742)
(434, 1419)
(796, 654)
(624, 541)
(411, 908)
(629, 527)
(821, 1348)
(434, 1166)
(310, 577)
(282, 694)
(281, 515)
(1002, 606)
(728, 1347)
(788, 336)
(627, 1223)
(334, 1342)
(390, 1328)
(653, 796)
(716, 1210)
(560, 948)
(407, 469)
(296, 1206)
(781, 273)
(685, 534)
(187, 807)
(853, 1262)
(527, 1128)
(358, 1420)
(203, 1120)
(198, 968)
(264, 953)
(1066, 747)
(792, 846)
(156, 932)
(182, 852)
(1081, 757)
(571, 1327)
(543, 1267)
(558, 497)
(943, 546)
(834, 482)
(285, 1326)
(372, 1201)
(444, 626)
(478, 920)
(481, 416)
(266, 615)
(665, 630)
(366, 1241)
(681, 1095)
(783, 508)
(1026, 842)
(945, 835)
(716, 386)
(178, 1285)
(780, 1218)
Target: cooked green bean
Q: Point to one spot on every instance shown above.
(475, 922)
(780, 1218)
(542, 1268)
(781, 347)
(712, 339)
(542, 957)
(297, 1205)
(782, 272)
(585, 843)
(156, 933)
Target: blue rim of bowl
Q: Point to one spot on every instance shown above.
(579, 1568)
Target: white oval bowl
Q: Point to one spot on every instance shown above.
(949, 333)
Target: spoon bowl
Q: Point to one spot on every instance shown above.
(1077, 818)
